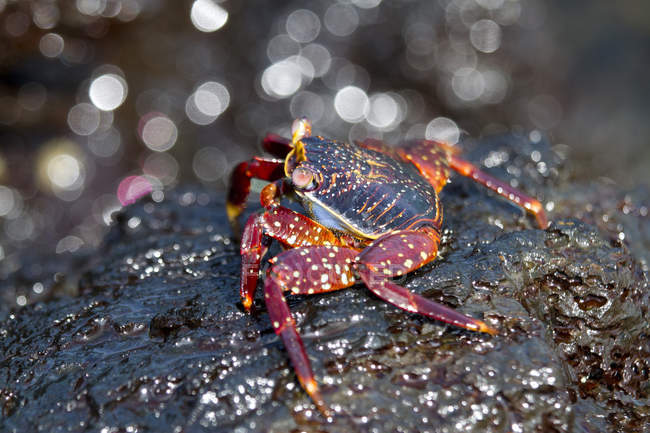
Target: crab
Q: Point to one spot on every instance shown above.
(374, 214)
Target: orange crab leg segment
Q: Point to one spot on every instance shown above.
(406, 300)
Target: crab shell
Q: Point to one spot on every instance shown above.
(361, 191)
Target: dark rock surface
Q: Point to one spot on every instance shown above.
(155, 339)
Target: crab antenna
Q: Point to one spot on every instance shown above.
(300, 129)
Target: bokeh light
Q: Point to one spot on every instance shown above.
(106, 143)
(158, 132)
(108, 91)
(366, 4)
(45, 15)
(17, 23)
(384, 111)
(468, 84)
(209, 164)
(319, 58)
(69, 244)
(282, 46)
(485, 36)
(61, 169)
(91, 7)
(162, 166)
(51, 45)
(341, 19)
(282, 79)
(207, 102)
(83, 118)
(442, 129)
(208, 16)
(303, 25)
(64, 171)
(7, 200)
(307, 104)
(351, 104)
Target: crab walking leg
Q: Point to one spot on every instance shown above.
(305, 270)
(502, 188)
(285, 327)
(277, 145)
(252, 249)
(315, 269)
(434, 159)
(240, 184)
(290, 228)
(277, 222)
(431, 160)
(397, 254)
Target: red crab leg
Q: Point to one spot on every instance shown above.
(397, 254)
(434, 159)
(304, 270)
(285, 327)
(318, 269)
(503, 189)
(253, 248)
(277, 145)
(277, 222)
(240, 184)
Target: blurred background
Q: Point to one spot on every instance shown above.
(102, 101)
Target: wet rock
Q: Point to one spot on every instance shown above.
(155, 338)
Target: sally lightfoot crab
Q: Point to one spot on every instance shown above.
(374, 215)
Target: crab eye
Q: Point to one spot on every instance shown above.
(303, 178)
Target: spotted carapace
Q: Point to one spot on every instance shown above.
(373, 214)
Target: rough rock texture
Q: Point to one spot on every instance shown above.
(155, 339)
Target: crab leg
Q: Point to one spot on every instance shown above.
(502, 188)
(434, 159)
(285, 327)
(318, 269)
(277, 145)
(277, 222)
(253, 247)
(397, 254)
(305, 270)
(240, 184)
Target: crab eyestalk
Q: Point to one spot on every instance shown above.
(300, 129)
